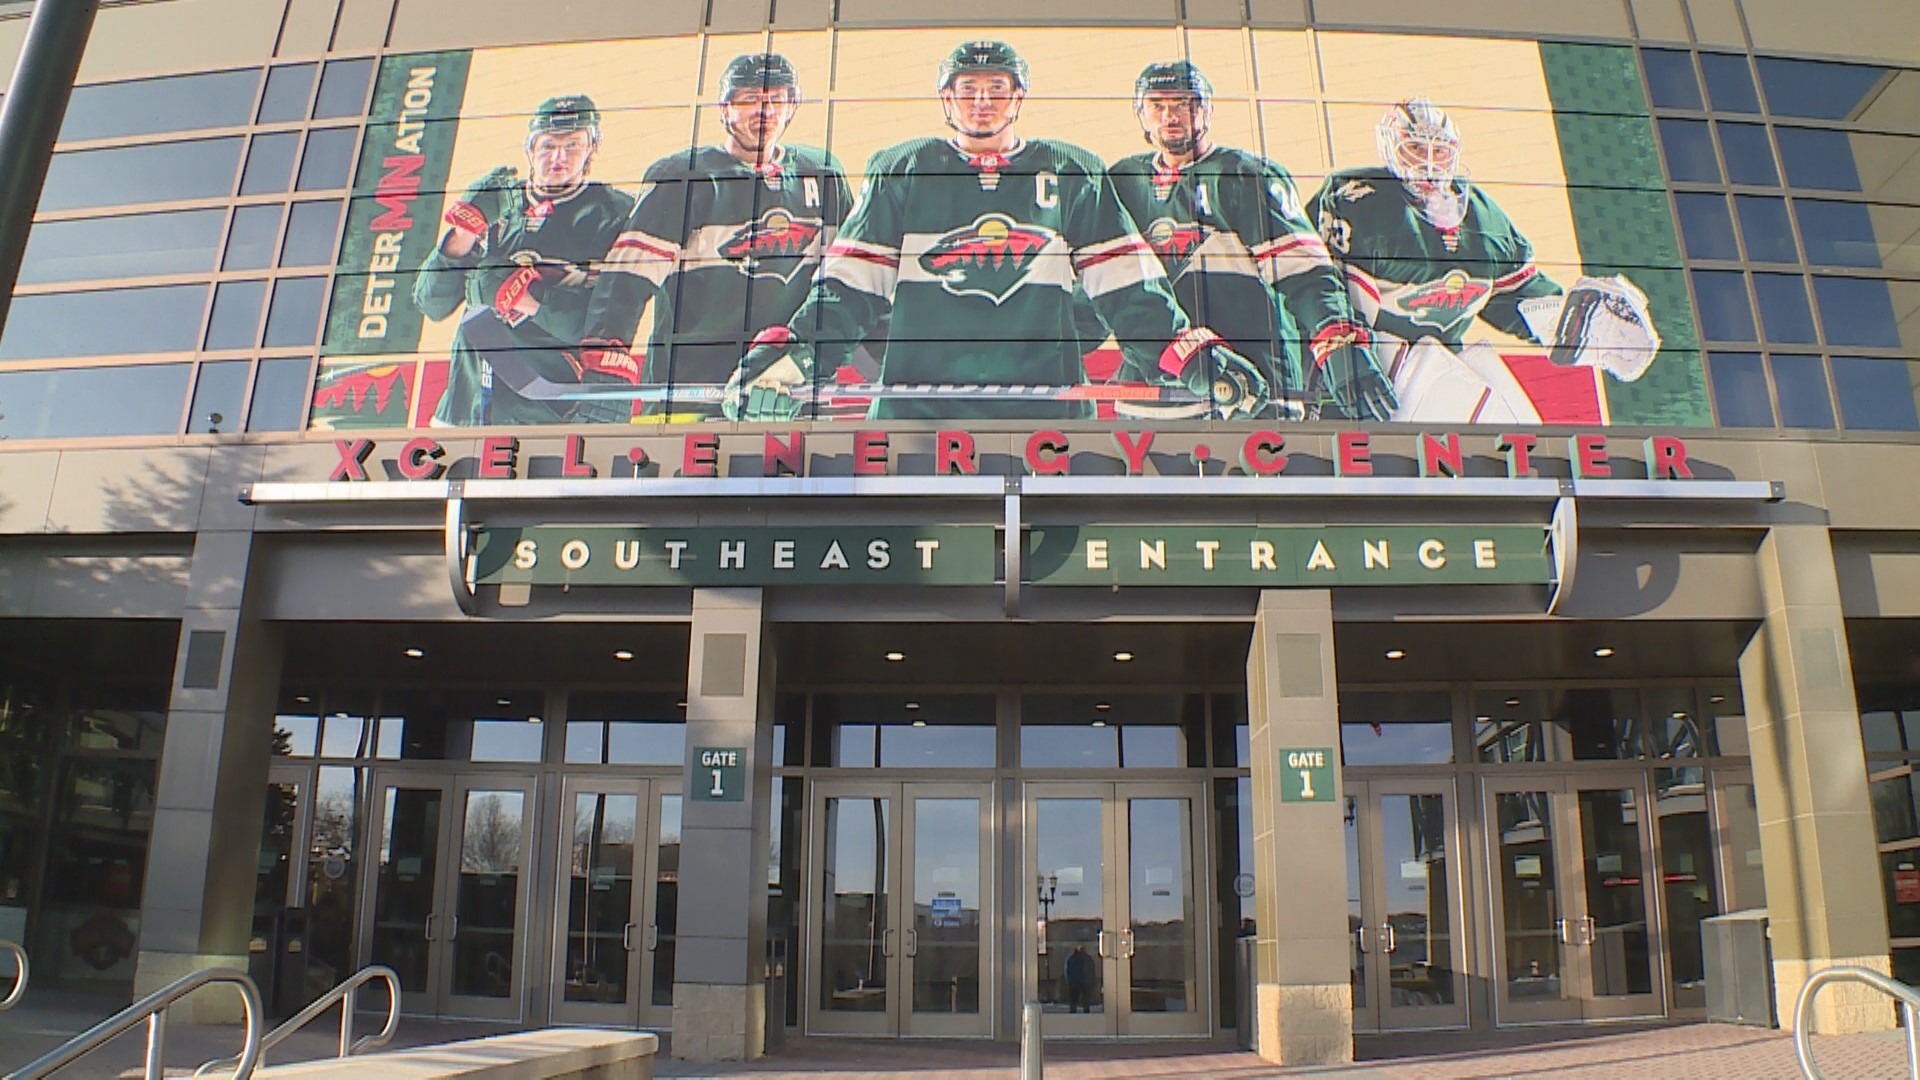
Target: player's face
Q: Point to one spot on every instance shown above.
(1173, 120)
(1428, 164)
(982, 104)
(559, 159)
(758, 118)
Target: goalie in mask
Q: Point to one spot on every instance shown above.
(1425, 253)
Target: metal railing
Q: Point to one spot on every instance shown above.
(1907, 996)
(343, 995)
(20, 975)
(153, 1009)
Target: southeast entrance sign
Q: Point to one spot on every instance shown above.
(808, 555)
(1280, 557)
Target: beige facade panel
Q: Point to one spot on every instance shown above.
(52, 586)
(1216, 12)
(738, 16)
(1857, 30)
(449, 24)
(1284, 13)
(1854, 489)
(1504, 17)
(1717, 22)
(308, 30)
(1661, 21)
(363, 25)
(127, 491)
(28, 492)
(12, 33)
(1876, 584)
(802, 14)
(369, 576)
(1627, 576)
(184, 35)
(1006, 13)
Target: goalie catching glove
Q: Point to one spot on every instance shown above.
(1200, 361)
(1600, 322)
(475, 211)
(1345, 370)
(762, 386)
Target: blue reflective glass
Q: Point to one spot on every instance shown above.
(107, 322)
(1729, 83)
(288, 88)
(1670, 80)
(1720, 296)
(1740, 390)
(270, 164)
(1749, 155)
(1837, 233)
(1689, 151)
(236, 315)
(132, 245)
(250, 241)
(311, 230)
(1876, 394)
(328, 161)
(1801, 383)
(159, 172)
(1705, 226)
(294, 317)
(218, 397)
(343, 90)
(1763, 222)
(1816, 158)
(280, 394)
(149, 106)
(1783, 309)
(1818, 90)
(1856, 311)
(93, 402)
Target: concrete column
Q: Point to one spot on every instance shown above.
(197, 909)
(1303, 1009)
(719, 991)
(1822, 870)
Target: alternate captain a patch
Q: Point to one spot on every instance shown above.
(993, 257)
(775, 245)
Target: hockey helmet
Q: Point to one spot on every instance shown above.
(564, 114)
(983, 56)
(1419, 144)
(1172, 77)
(759, 71)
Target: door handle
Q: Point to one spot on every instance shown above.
(626, 937)
(426, 931)
(1126, 944)
(1360, 938)
(1100, 943)
(453, 927)
(913, 942)
(1560, 928)
(653, 936)
(886, 942)
(1591, 928)
(1393, 940)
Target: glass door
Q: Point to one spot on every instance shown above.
(402, 917)
(1403, 877)
(617, 902)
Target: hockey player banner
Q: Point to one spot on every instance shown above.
(1438, 231)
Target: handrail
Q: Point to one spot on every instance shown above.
(153, 1009)
(1907, 996)
(344, 994)
(20, 977)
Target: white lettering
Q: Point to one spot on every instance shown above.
(526, 553)
(783, 554)
(626, 554)
(1046, 190)
(1483, 555)
(1433, 554)
(675, 548)
(574, 554)
(879, 555)
(733, 554)
(1376, 554)
(927, 548)
(1207, 548)
(1260, 555)
(1321, 559)
(1153, 555)
(834, 559)
(1096, 554)
(1306, 759)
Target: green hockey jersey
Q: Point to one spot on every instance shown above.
(1412, 279)
(723, 250)
(494, 362)
(1230, 230)
(976, 259)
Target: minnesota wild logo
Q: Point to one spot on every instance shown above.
(1442, 304)
(1174, 241)
(989, 258)
(775, 245)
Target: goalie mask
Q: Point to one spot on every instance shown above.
(1420, 146)
(562, 136)
(981, 58)
(755, 124)
(1162, 83)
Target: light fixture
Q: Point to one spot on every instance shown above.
(1122, 656)
(1396, 654)
(502, 701)
(1482, 718)
(919, 723)
(1678, 715)
(533, 719)
(1513, 703)
(416, 653)
(679, 704)
(1099, 723)
(1603, 651)
(1102, 706)
(913, 706)
(303, 699)
(1716, 699)
(623, 654)
(895, 657)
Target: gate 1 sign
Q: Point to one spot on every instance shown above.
(1306, 775)
(719, 774)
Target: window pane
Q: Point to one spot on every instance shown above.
(218, 397)
(269, 164)
(1763, 222)
(183, 242)
(250, 241)
(311, 229)
(1783, 309)
(1670, 79)
(625, 729)
(1876, 394)
(1837, 233)
(947, 731)
(343, 90)
(158, 319)
(1729, 83)
(1721, 296)
(1689, 151)
(288, 88)
(1856, 311)
(1749, 156)
(1706, 227)
(236, 315)
(141, 174)
(294, 318)
(1740, 390)
(1405, 728)
(1818, 159)
(1801, 382)
(280, 395)
(143, 400)
(1816, 90)
(329, 159)
(149, 106)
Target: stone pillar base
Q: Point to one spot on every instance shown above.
(1846, 1008)
(1305, 1025)
(216, 1004)
(719, 1022)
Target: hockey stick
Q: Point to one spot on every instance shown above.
(1128, 399)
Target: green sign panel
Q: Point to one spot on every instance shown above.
(1287, 556)
(1306, 774)
(757, 555)
(719, 774)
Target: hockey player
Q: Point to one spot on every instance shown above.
(1243, 258)
(723, 240)
(519, 253)
(975, 245)
(1425, 253)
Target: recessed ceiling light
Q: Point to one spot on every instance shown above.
(895, 657)
(1513, 703)
(503, 701)
(1678, 715)
(623, 654)
(679, 704)
(1099, 723)
(305, 700)
(1603, 651)
(1102, 706)
(919, 723)
(1483, 719)
(1396, 654)
(913, 706)
(1122, 656)
(1716, 699)
(416, 653)
(533, 719)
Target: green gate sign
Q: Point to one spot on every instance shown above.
(1306, 774)
(719, 774)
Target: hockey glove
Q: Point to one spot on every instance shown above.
(607, 363)
(483, 202)
(1345, 370)
(518, 297)
(1604, 323)
(762, 386)
(1201, 362)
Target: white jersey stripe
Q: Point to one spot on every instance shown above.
(642, 255)
(1122, 270)
(871, 270)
